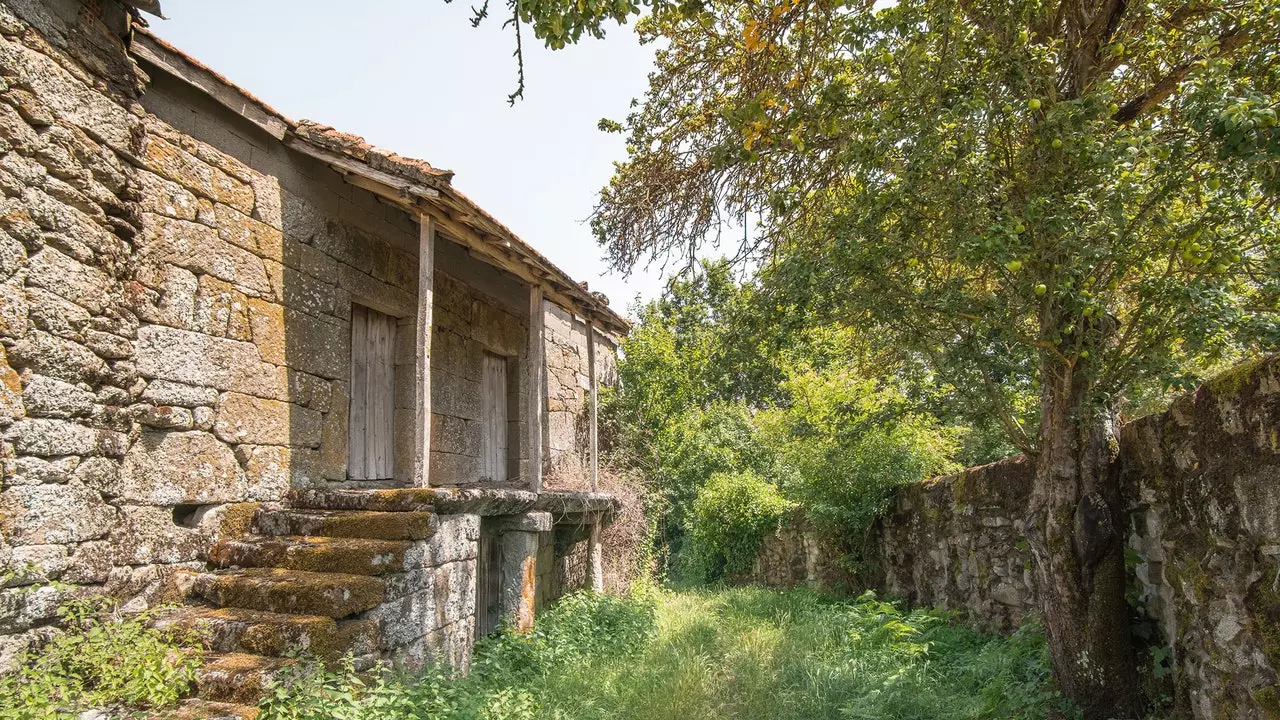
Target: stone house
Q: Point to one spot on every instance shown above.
(300, 383)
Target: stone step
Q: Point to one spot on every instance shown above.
(394, 500)
(348, 524)
(440, 500)
(205, 710)
(294, 592)
(237, 678)
(354, 556)
(240, 630)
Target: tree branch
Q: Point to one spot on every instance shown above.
(1164, 87)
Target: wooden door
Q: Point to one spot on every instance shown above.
(488, 568)
(493, 419)
(373, 379)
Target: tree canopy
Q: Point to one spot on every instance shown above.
(988, 181)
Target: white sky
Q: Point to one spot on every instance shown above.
(413, 76)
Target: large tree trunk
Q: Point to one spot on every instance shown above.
(1076, 530)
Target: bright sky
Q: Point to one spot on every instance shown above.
(413, 76)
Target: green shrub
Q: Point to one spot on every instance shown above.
(508, 678)
(731, 515)
(845, 443)
(104, 658)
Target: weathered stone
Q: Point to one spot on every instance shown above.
(99, 473)
(352, 556)
(24, 608)
(270, 469)
(49, 397)
(165, 197)
(164, 392)
(246, 419)
(163, 416)
(243, 231)
(86, 286)
(13, 311)
(349, 524)
(200, 250)
(148, 535)
(33, 564)
(53, 514)
(376, 294)
(11, 403)
(52, 438)
(221, 310)
(15, 131)
(266, 321)
(55, 315)
(291, 591)
(62, 359)
(177, 468)
(107, 345)
(38, 471)
(13, 256)
(68, 98)
(194, 359)
(90, 563)
(202, 418)
(333, 440)
(185, 169)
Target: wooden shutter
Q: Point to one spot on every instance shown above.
(493, 418)
(373, 376)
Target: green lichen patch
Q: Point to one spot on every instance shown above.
(296, 592)
(353, 556)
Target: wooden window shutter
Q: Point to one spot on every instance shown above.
(494, 418)
(373, 379)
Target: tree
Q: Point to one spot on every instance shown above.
(1061, 198)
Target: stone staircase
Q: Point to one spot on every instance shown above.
(299, 581)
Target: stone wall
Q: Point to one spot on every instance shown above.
(468, 323)
(796, 555)
(955, 542)
(428, 614)
(567, 457)
(1202, 488)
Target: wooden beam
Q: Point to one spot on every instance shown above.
(206, 81)
(595, 405)
(536, 384)
(356, 167)
(497, 250)
(422, 358)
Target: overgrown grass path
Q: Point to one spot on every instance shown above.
(743, 653)
(752, 653)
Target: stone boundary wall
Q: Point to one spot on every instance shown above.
(1202, 489)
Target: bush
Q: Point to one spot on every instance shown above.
(845, 443)
(104, 658)
(731, 515)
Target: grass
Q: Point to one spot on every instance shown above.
(745, 653)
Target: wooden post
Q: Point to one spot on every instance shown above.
(595, 557)
(422, 364)
(595, 406)
(536, 383)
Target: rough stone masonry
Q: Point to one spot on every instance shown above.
(1202, 484)
(178, 270)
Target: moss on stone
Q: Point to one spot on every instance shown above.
(237, 519)
(1263, 602)
(1230, 382)
(1268, 701)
